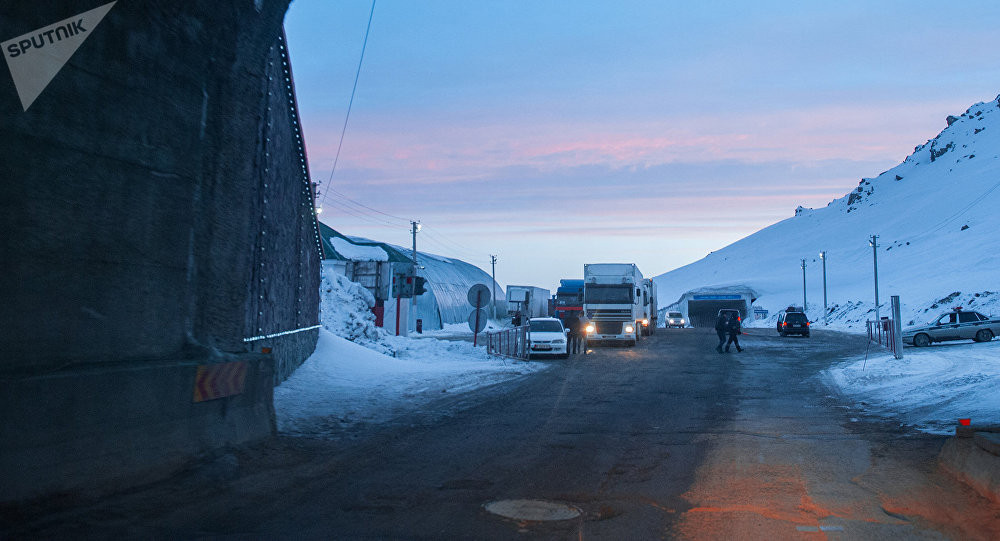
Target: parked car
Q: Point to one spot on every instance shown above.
(957, 324)
(793, 323)
(546, 336)
(675, 319)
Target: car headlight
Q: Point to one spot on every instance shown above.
(590, 328)
(629, 328)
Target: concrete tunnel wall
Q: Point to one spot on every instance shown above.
(156, 212)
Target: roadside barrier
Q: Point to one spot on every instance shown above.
(883, 333)
(511, 343)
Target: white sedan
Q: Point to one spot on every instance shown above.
(546, 336)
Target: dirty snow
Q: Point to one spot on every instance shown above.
(359, 374)
(929, 388)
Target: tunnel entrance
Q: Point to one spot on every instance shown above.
(702, 313)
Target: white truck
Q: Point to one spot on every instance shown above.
(526, 302)
(613, 302)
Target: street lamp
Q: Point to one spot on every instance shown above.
(822, 257)
(805, 307)
(873, 242)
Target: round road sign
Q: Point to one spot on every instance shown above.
(482, 320)
(481, 291)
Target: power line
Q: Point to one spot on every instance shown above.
(364, 217)
(344, 197)
(455, 246)
(958, 214)
(350, 104)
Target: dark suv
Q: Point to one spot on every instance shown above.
(793, 323)
(728, 312)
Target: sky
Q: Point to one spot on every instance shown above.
(557, 133)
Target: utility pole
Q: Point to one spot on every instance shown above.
(805, 307)
(414, 227)
(822, 256)
(493, 262)
(874, 244)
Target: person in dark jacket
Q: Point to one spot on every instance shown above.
(721, 326)
(734, 332)
(572, 323)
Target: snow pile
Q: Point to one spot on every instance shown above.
(929, 388)
(360, 374)
(346, 312)
(343, 384)
(936, 217)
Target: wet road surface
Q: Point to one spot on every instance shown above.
(665, 440)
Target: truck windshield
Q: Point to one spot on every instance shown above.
(608, 294)
(568, 299)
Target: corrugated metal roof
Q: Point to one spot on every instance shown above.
(448, 279)
(326, 233)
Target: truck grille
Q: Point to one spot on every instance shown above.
(608, 327)
(620, 315)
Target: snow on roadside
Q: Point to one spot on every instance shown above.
(343, 384)
(929, 388)
(361, 374)
(346, 311)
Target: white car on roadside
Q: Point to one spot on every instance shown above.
(546, 336)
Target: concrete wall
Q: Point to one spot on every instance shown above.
(107, 428)
(155, 214)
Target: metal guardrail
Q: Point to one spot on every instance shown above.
(883, 333)
(887, 332)
(508, 343)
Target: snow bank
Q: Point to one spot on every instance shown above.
(929, 388)
(346, 312)
(343, 384)
(360, 374)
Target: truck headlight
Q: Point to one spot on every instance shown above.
(645, 323)
(590, 328)
(629, 328)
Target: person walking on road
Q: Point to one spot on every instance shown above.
(734, 332)
(572, 323)
(721, 326)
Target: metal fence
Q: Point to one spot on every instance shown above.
(887, 332)
(882, 332)
(508, 342)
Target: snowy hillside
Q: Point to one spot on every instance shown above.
(937, 216)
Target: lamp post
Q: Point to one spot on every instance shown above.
(874, 244)
(805, 307)
(822, 257)
(414, 228)
(493, 262)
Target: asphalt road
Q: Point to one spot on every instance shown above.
(665, 440)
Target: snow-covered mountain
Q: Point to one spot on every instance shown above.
(937, 216)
